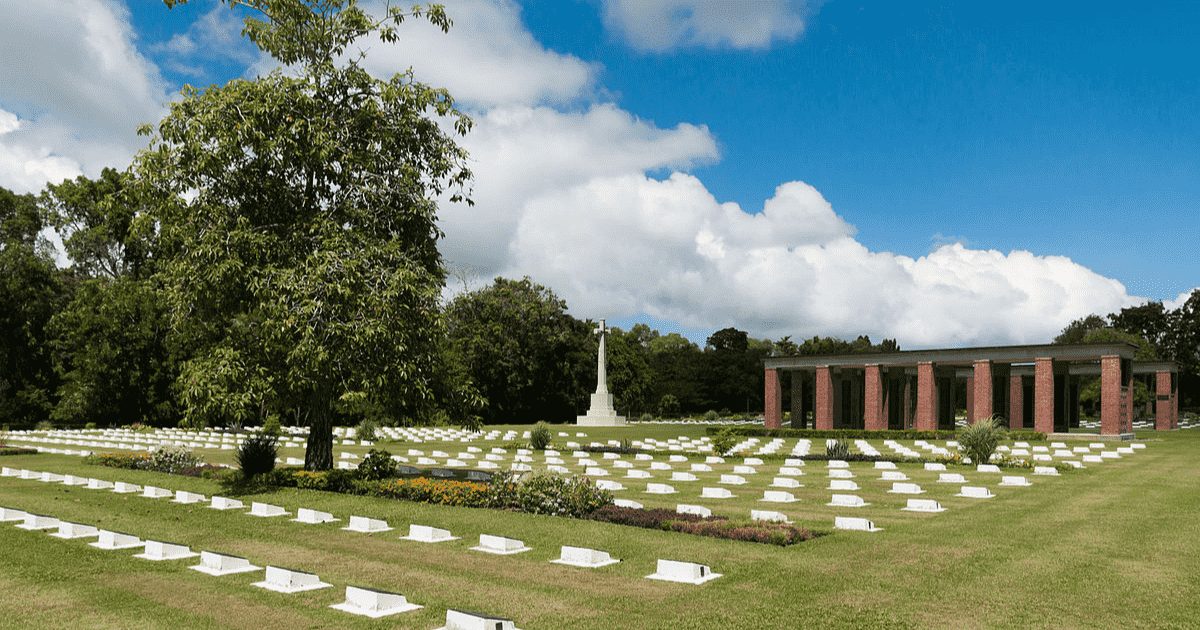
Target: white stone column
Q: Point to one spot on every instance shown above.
(601, 413)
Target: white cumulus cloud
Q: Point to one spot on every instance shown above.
(658, 25)
(1179, 300)
(71, 73)
(487, 59)
(667, 248)
(523, 153)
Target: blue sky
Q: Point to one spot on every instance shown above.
(1063, 128)
(944, 172)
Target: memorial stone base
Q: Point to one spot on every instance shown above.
(601, 413)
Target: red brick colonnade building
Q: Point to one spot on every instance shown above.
(1033, 387)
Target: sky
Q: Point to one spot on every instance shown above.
(943, 173)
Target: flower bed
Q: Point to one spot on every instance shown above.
(165, 460)
(781, 534)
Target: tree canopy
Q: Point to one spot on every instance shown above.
(296, 215)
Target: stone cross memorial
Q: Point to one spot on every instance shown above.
(601, 412)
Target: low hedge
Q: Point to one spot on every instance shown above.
(781, 534)
(436, 491)
(17, 450)
(860, 434)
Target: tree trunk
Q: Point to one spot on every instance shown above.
(319, 452)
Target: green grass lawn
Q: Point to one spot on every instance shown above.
(1115, 545)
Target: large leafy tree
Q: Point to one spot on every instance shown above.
(528, 357)
(629, 376)
(30, 292)
(109, 339)
(296, 219)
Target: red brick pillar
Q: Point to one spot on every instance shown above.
(927, 396)
(982, 409)
(772, 400)
(1016, 402)
(823, 399)
(1043, 395)
(1112, 407)
(970, 398)
(1162, 402)
(874, 418)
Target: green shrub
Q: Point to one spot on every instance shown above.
(540, 436)
(272, 427)
(711, 416)
(646, 417)
(44, 425)
(724, 441)
(16, 450)
(502, 491)
(256, 455)
(377, 465)
(311, 479)
(132, 461)
(340, 480)
(436, 491)
(563, 496)
(979, 440)
(837, 449)
(367, 430)
(471, 422)
(668, 406)
(90, 426)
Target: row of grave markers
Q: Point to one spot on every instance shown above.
(362, 601)
(673, 571)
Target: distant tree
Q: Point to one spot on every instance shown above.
(109, 339)
(1182, 344)
(785, 347)
(668, 406)
(297, 228)
(30, 292)
(1146, 351)
(529, 359)
(629, 375)
(1074, 332)
(676, 365)
(732, 376)
(1150, 321)
(95, 219)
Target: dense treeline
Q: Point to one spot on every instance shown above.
(1159, 333)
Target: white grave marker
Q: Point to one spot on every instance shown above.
(283, 580)
(855, 524)
(113, 541)
(923, 505)
(682, 572)
(220, 564)
(374, 604)
(266, 510)
(427, 534)
(584, 557)
(223, 503)
(159, 551)
(499, 545)
(364, 525)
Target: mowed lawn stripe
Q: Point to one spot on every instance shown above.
(1113, 545)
